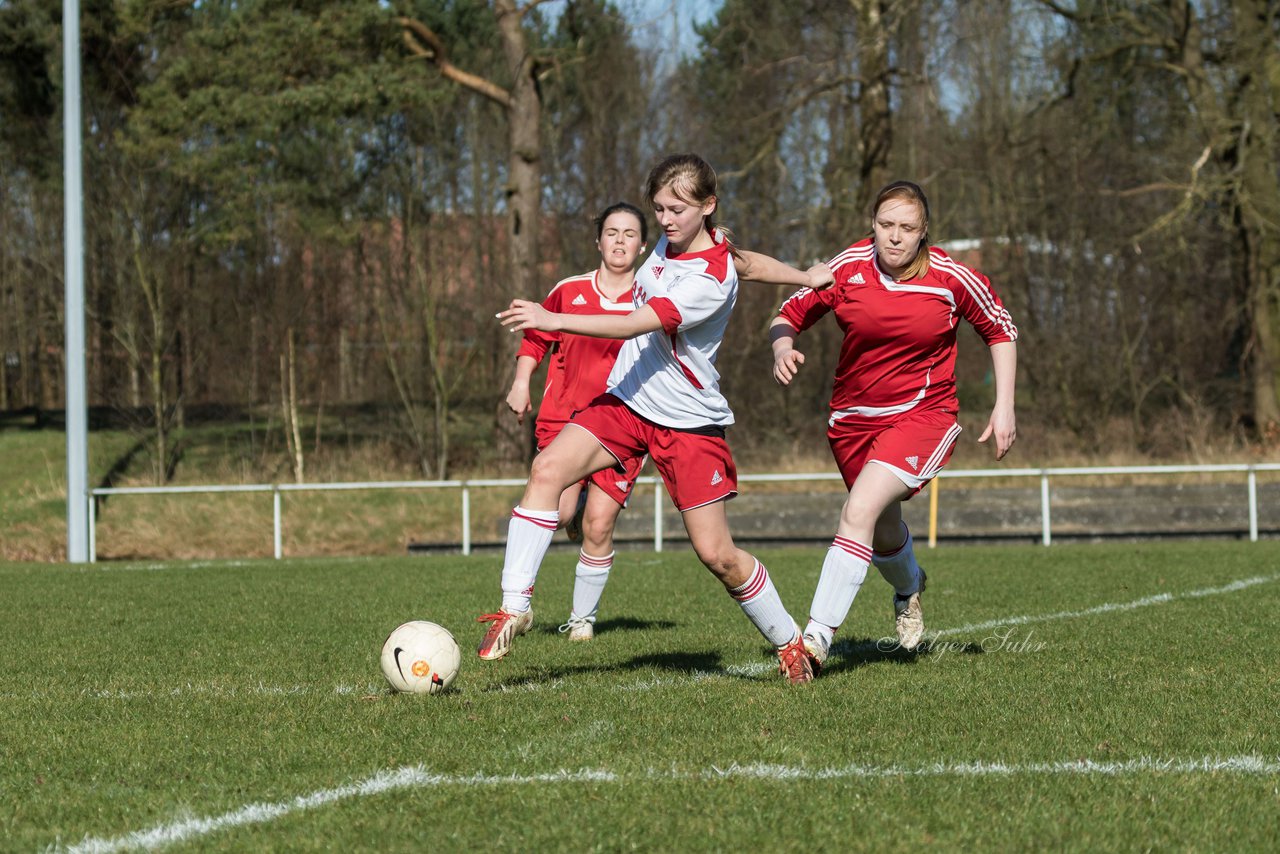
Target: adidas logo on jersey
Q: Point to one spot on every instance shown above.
(579, 300)
(857, 279)
(657, 271)
(913, 461)
(715, 477)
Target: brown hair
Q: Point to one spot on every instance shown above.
(691, 179)
(623, 207)
(907, 191)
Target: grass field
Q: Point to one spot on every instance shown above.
(1103, 697)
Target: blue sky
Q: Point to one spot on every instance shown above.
(661, 19)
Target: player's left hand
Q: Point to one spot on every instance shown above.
(1004, 426)
(523, 314)
(786, 365)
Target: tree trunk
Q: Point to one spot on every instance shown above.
(289, 408)
(157, 413)
(523, 107)
(875, 131)
(524, 116)
(1258, 201)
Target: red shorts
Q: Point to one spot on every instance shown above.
(697, 469)
(545, 431)
(914, 447)
(615, 484)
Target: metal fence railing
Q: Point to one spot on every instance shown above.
(465, 487)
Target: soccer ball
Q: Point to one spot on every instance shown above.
(420, 658)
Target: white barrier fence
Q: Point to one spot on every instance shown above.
(465, 487)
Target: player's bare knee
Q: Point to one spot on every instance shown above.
(720, 559)
(545, 473)
(597, 533)
(858, 515)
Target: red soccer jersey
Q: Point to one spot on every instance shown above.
(580, 365)
(899, 350)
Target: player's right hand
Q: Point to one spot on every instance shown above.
(519, 402)
(786, 365)
(523, 314)
(820, 277)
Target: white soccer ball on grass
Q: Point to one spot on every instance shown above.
(420, 657)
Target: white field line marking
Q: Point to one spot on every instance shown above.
(887, 643)
(413, 777)
(1158, 599)
(163, 567)
(750, 669)
(218, 691)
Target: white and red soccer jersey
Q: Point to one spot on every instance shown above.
(899, 350)
(579, 368)
(669, 376)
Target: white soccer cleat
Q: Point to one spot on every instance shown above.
(504, 628)
(818, 649)
(578, 629)
(908, 619)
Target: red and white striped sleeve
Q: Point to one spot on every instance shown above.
(977, 301)
(805, 307)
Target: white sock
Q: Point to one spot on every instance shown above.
(843, 572)
(899, 567)
(589, 580)
(528, 537)
(763, 606)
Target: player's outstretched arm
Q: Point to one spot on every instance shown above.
(523, 314)
(786, 359)
(758, 267)
(1003, 424)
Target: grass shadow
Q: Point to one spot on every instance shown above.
(677, 662)
(686, 663)
(617, 624)
(853, 653)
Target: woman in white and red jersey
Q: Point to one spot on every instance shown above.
(663, 400)
(577, 374)
(894, 398)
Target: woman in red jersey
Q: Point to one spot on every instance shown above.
(576, 374)
(894, 401)
(664, 400)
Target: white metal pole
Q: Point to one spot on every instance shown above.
(1044, 509)
(1253, 505)
(93, 529)
(277, 533)
(657, 515)
(73, 283)
(466, 520)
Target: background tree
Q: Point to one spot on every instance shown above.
(799, 126)
(31, 192)
(599, 145)
(520, 98)
(255, 168)
(1223, 58)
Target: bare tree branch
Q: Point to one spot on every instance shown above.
(529, 7)
(415, 33)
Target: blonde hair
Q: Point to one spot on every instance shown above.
(906, 191)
